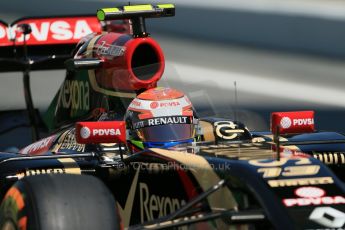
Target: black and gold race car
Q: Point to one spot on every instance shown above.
(290, 177)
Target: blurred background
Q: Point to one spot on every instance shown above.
(281, 54)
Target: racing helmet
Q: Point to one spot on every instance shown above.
(160, 117)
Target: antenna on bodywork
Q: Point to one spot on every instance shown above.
(236, 101)
(276, 140)
(26, 30)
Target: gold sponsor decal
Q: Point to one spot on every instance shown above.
(300, 181)
(153, 206)
(278, 163)
(68, 141)
(73, 147)
(227, 130)
(32, 172)
(330, 157)
(71, 166)
(301, 170)
(125, 210)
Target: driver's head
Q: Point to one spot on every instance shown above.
(160, 117)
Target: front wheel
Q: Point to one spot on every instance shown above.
(59, 202)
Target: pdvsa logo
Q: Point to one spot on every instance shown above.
(52, 30)
(154, 105)
(106, 132)
(293, 122)
(85, 132)
(310, 195)
(169, 104)
(310, 192)
(305, 121)
(285, 122)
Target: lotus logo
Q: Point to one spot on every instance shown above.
(285, 122)
(328, 217)
(85, 132)
(310, 192)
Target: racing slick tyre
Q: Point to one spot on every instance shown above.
(58, 202)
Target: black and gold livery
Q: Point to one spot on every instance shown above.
(229, 178)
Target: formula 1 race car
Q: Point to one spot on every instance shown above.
(83, 175)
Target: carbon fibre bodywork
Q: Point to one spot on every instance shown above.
(154, 183)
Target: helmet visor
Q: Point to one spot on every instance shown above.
(163, 133)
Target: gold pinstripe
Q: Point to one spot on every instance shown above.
(207, 130)
(330, 158)
(292, 147)
(325, 158)
(70, 165)
(335, 158)
(126, 211)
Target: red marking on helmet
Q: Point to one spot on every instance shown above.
(145, 115)
(187, 113)
(154, 105)
(169, 104)
(187, 110)
(187, 100)
(157, 94)
(188, 107)
(136, 103)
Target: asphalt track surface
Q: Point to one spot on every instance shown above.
(266, 81)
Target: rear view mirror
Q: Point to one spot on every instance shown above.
(101, 132)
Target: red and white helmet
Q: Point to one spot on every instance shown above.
(159, 117)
